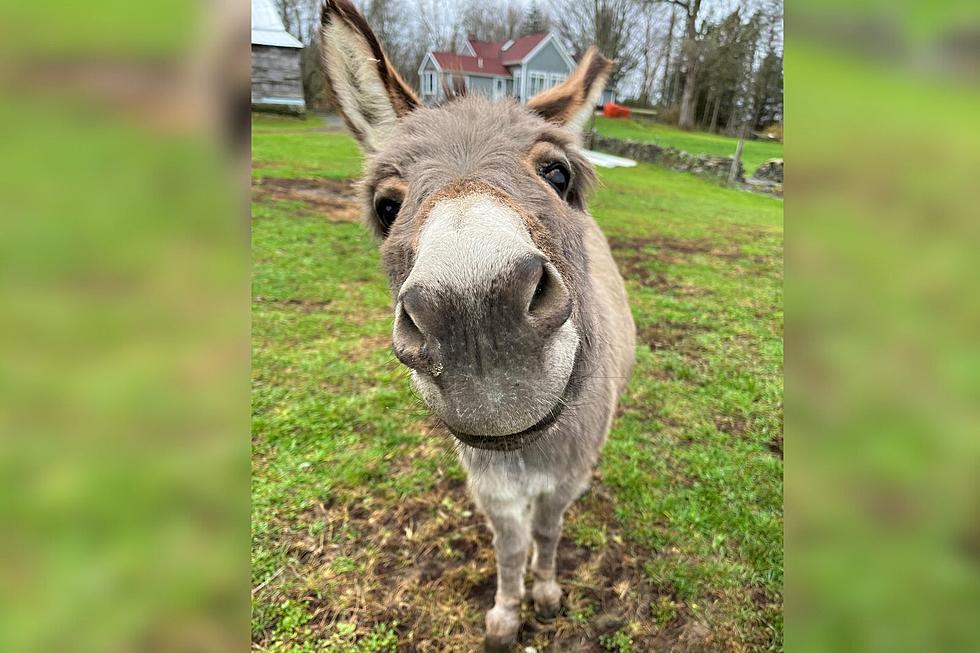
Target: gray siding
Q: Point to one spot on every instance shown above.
(276, 73)
(608, 95)
(429, 65)
(479, 85)
(548, 60)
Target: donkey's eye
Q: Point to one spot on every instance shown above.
(558, 176)
(387, 210)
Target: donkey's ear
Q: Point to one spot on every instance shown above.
(573, 101)
(365, 87)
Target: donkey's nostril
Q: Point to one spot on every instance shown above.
(539, 291)
(408, 340)
(551, 304)
(405, 328)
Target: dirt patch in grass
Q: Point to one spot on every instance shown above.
(332, 199)
(734, 425)
(424, 564)
(776, 446)
(304, 305)
(675, 336)
(667, 249)
(635, 255)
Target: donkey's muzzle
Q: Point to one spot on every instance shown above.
(441, 330)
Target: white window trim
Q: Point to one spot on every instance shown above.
(535, 76)
(499, 87)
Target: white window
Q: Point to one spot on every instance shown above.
(537, 82)
(517, 83)
(556, 78)
(499, 88)
(428, 83)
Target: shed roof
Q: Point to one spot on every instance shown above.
(267, 27)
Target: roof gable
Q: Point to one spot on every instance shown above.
(491, 58)
(521, 47)
(508, 52)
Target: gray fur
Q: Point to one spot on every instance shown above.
(525, 492)
(470, 345)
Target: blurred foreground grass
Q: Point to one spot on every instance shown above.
(123, 334)
(123, 311)
(883, 364)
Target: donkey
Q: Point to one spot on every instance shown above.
(508, 307)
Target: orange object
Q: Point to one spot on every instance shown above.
(613, 110)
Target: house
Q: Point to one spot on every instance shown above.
(520, 67)
(277, 81)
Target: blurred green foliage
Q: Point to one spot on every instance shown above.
(123, 338)
(883, 366)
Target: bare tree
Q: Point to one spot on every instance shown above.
(668, 51)
(441, 24)
(493, 22)
(535, 20)
(691, 52)
(607, 24)
(653, 57)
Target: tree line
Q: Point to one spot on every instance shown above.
(715, 65)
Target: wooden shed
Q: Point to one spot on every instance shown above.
(277, 79)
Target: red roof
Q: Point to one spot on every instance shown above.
(490, 57)
(485, 48)
(451, 63)
(521, 47)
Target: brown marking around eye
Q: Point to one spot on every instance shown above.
(543, 153)
(392, 188)
(383, 181)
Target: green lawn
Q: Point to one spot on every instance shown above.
(363, 537)
(754, 154)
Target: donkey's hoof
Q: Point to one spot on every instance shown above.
(494, 645)
(502, 627)
(547, 600)
(546, 617)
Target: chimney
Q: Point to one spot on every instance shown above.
(479, 62)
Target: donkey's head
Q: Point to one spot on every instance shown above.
(480, 209)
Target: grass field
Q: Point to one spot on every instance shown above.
(363, 537)
(754, 154)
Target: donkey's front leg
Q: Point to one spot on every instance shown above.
(511, 536)
(546, 520)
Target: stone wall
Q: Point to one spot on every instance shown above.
(716, 167)
(768, 178)
(771, 170)
(276, 73)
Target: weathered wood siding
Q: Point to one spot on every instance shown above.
(276, 73)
